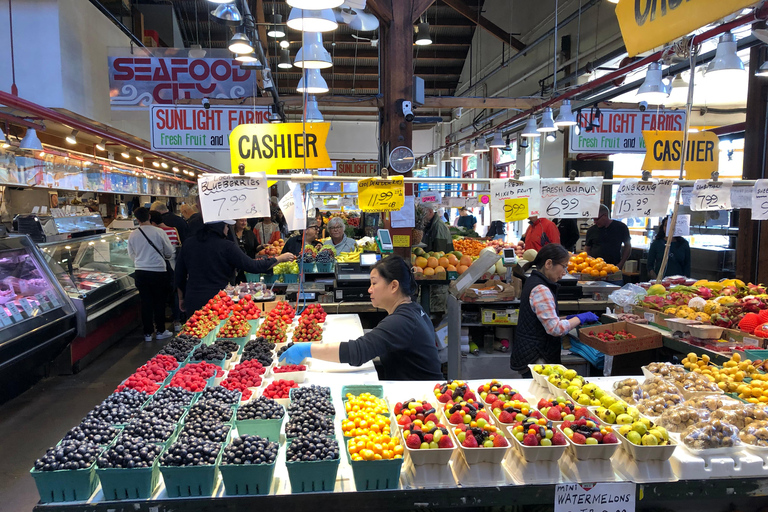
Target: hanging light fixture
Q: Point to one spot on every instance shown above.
(72, 137)
(102, 146)
(125, 154)
(312, 112)
(163, 165)
(227, 14)
(498, 141)
(156, 164)
(547, 123)
(285, 44)
(481, 146)
(726, 65)
(30, 140)
(285, 59)
(362, 21)
(139, 158)
(530, 130)
(315, 4)
(221, 1)
(466, 149)
(249, 58)
(445, 157)
(312, 82)
(240, 44)
(763, 71)
(565, 116)
(196, 51)
(312, 54)
(455, 154)
(276, 30)
(431, 161)
(312, 20)
(422, 35)
(551, 136)
(653, 90)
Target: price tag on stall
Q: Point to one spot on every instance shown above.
(431, 197)
(711, 195)
(515, 209)
(381, 195)
(14, 311)
(44, 305)
(504, 189)
(26, 306)
(760, 200)
(638, 198)
(741, 197)
(599, 497)
(52, 298)
(4, 319)
(650, 317)
(567, 199)
(230, 196)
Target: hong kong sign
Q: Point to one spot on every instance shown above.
(139, 80)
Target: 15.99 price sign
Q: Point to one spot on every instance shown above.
(231, 197)
(381, 195)
(637, 198)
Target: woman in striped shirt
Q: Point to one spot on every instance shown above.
(156, 218)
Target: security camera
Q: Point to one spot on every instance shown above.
(206, 103)
(643, 106)
(405, 107)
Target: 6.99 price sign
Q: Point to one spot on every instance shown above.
(381, 195)
(231, 197)
(568, 199)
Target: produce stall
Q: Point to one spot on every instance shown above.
(214, 421)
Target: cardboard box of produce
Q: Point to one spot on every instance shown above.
(645, 339)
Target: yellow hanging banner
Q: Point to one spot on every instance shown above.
(515, 209)
(647, 24)
(664, 150)
(272, 147)
(381, 195)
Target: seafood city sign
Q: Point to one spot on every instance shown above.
(140, 80)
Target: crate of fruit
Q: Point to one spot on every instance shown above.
(56, 484)
(261, 417)
(372, 475)
(186, 477)
(620, 338)
(129, 469)
(308, 475)
(248, 465)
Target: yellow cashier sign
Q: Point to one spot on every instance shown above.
(271, 147)
(647, 24)
(664, 149)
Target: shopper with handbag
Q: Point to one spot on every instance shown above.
(151, 251)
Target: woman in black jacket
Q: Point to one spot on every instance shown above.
(207, 263)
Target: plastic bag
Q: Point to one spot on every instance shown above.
(755, 433)
(711, 402)
(625, 389)
(655, 395)
(667, 371)
(680, 417)
(712, 435)
(742, 415)
(628, 295)
(694, 383)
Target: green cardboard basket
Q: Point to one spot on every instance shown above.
(127, 484)
(185, 481)
(65, 484)
(269, 429)
(242, 479)
(252, 278)
(315, 476)
(372, 475)
(324, 268)
(290, 278)
(271, 278)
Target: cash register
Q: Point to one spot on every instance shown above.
(353, 279)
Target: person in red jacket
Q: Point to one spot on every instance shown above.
(540, 232)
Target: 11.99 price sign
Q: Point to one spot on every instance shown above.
(381, 195)
(231, 197)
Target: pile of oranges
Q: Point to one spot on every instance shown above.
(432, 265)
(468, 246)
(587, 265)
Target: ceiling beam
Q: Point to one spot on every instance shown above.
(419, 6)
(484, 23)
(469, 102)
(382, 9)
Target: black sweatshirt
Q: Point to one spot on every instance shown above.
(404, 342)
(204, 267)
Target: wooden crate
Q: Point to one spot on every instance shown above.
(646, 338)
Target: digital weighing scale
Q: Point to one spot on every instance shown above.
(353, 279)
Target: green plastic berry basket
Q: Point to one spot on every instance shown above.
(269, 429)
(65, 484)
(290, 278)
(247, 479)
(373, 475)
(271, 278)
(315, 476)
(358, 389)
(254, 325)
(324, 268)
(185, 481)
(127, 484)
(252, 278)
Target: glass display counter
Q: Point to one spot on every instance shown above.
(46, 228)
(97, 274)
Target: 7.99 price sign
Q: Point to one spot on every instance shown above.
(231, 197)
(381, 195)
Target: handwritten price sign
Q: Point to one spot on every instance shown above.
(636, 198)
(381, 195)
(503, 190)
(230, 197)
(562, 198)
(515, 209)
(711, 195)
(760, 200)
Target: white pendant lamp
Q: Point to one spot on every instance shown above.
(530, 130)
(763, 71)
(466, 149)
(221, 1)
(498, 141)
(276, 30)
(445, 157)
(196, 51)
(422, 37)
(227, 14)
(285, 59)
(247, 58)
(312, 20)
(726, 64)
(312, 54)
(455, 154)
(363, 22)
(481, 146)
(30, 140)
(240, 44)
(547, 123)
(315, 4)
(312, 82)
(431, 161)
(565, 117)
(312, 112)
(72, 137)
(102, 146)
(653, 91)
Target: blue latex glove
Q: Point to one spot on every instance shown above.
(588, 318)
(297, 353)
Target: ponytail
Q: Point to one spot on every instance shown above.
(395, 268)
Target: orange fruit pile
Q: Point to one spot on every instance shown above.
(440, 264)
(468, 246)
(595, 267)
